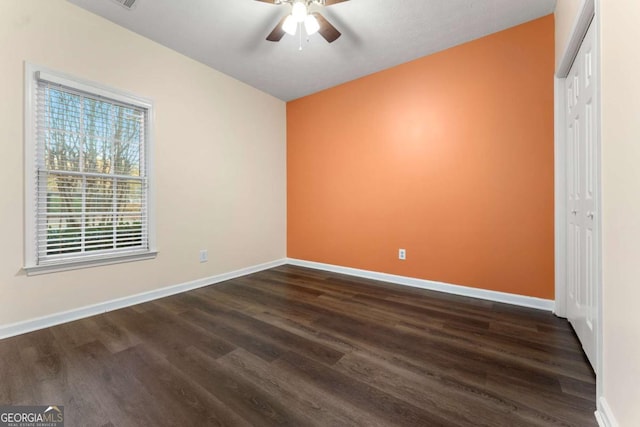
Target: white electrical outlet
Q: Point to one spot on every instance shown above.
(204, 255)
(402, 254)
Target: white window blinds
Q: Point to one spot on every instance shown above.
(91, 175)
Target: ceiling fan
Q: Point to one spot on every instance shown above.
(313, 22)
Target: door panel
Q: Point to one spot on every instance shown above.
(582, 197)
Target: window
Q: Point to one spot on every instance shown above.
(88, 181)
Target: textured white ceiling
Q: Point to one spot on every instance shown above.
(229, 35)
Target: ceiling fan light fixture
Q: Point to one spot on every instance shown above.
(290, 25)
(299, 11)
(311, 24)
(300, 14)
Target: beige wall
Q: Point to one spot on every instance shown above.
(621, 207)
(220, 159)
(566, 14)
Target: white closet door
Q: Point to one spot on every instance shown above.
(582, 207)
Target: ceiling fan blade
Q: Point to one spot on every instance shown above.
(328, 2)
(328, 31)
(277, 32)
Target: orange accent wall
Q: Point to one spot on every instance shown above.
(449, 156)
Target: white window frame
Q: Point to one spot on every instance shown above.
(33, 73)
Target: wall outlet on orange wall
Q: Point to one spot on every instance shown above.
(402, 254)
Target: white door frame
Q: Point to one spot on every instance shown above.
(589, 14)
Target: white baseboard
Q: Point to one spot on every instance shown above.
(521, 300)
(13, 329)
(604, 415)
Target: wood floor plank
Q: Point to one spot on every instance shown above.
(302, 347)
(392, 410)
(275, 335)
(113, 337)
(113, 388)
(506, 352)
(566, 407)
(255, 405)
(461, 407)
(18, 382)
(182, 398)
(167, 332)
(312, 403)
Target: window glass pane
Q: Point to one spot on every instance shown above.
(129, 223)
(63, 111)
(64, 214)
(62, 151)
(99, 197)
(97, 155)
(127, 140)
(97, 118)
(62, 130)
(99, 213)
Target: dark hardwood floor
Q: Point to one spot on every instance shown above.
(300, 347)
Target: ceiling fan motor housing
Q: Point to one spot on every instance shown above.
(300, 13)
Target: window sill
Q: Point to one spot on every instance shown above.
(87, 263)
